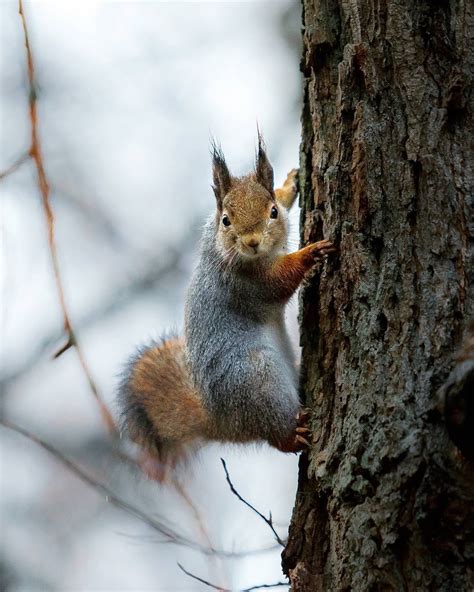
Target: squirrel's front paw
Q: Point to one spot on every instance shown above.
(286, 195)
(290, 183)
(322, 248)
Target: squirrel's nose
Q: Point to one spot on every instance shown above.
(252, 242)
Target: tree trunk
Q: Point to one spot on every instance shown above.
(385, 496)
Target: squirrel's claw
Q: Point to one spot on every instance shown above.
(299, 440)
(302, 440)
(303, 417)
(323, 248)
(303, 432)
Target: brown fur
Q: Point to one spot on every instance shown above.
(286, 194)
(289, 270)
(174, 409)
(248, 206)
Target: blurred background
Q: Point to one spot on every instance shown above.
(129, 94)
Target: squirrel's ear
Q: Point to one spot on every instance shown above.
(220, 175)
(263, 168)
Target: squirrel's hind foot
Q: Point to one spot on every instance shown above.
(299, 439)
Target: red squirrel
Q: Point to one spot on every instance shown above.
(232, 377)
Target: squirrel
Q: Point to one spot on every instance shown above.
(233, 377)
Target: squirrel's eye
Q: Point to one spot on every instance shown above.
(225, 220)
(274, 212)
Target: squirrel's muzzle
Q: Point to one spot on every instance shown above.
(251, 243)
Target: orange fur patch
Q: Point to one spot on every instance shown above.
(162, 384)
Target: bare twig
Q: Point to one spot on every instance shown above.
(257, 587)
(158, 525)
(69, 343)
(36, 154)
(205, 537)
(268, 521)
(16, 165)
(109, 495)
(89, 206)
(196, 514)
(155, 271)
(206, 551)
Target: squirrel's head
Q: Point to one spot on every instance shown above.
(251, 223)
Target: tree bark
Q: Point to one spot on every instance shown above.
(386, 491)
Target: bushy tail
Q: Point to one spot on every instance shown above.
(160, 409)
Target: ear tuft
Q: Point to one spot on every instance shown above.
(221, 176)
(263, 168)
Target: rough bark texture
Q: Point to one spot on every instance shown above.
(385, 498)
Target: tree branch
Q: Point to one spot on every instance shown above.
(268, 521)
(109, 495)
(257, 587)
(36, 154)
(155, 271)
(158, 525)
(16, 165)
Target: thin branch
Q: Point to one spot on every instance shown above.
(170, 535)
(268, 521)
(156, 270)
(221, 589)
(43, 183)
(16, 165)
(69, 343)
(205, 537)
(109, 495)
(196, 514)
(206, 551)
(92, 210)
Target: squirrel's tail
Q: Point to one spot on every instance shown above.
(161, 410)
